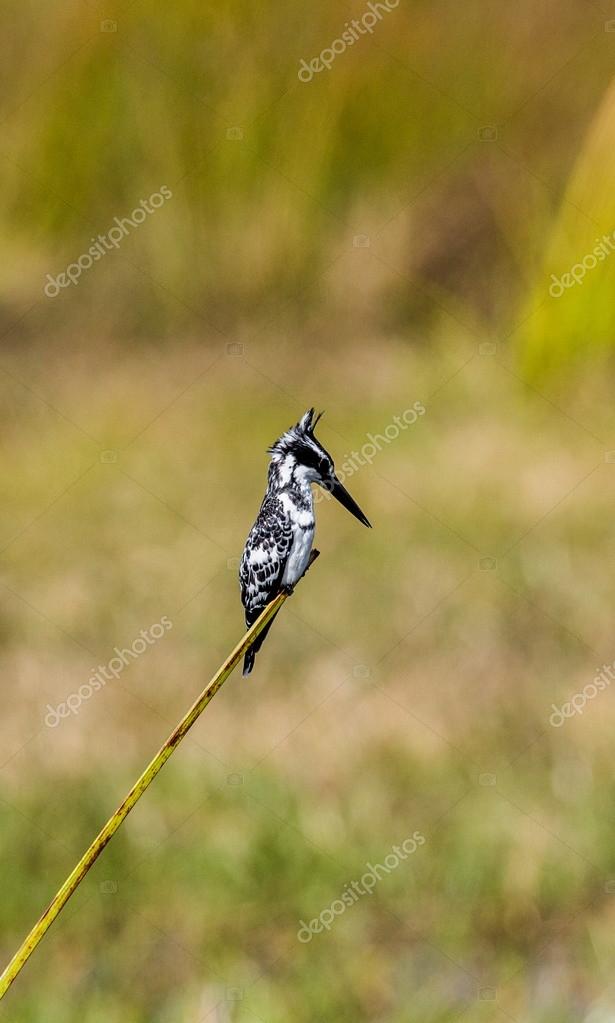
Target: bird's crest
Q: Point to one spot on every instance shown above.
(297, 436)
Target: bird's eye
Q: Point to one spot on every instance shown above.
(323, 467)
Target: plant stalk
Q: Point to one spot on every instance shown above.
(77, 875)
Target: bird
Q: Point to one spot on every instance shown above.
(277, 551)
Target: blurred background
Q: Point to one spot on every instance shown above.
(197, 245)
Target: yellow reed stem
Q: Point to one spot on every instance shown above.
(91, 855)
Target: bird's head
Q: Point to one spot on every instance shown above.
(297, 457)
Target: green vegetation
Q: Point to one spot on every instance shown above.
(382, 235)
(296, 779)
(476, 169)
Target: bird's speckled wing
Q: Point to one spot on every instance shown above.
(264, 558)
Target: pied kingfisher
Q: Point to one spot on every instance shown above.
(278, 548)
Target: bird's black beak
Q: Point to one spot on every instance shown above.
(335, 487)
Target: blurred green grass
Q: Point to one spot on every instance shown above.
(440, 137)
(383, 235)
(405, 677)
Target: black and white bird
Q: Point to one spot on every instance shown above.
(278, 547)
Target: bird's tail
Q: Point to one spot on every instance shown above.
(248, 661)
